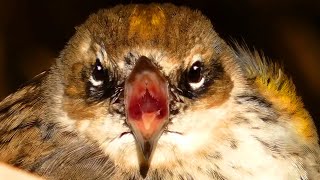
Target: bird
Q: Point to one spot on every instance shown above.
(151, 91)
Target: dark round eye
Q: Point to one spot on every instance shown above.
(195, 72)
(98, 73)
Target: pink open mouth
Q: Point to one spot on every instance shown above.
(147, 109)
(146, 104)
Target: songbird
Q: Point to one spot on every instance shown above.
(152, 92)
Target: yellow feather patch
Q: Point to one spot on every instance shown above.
(281, 92)
(147, 22)
(273, 84)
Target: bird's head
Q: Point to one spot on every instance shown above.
(150, 84)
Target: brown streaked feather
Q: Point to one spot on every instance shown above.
(39, 145)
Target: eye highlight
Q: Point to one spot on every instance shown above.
(195, 75)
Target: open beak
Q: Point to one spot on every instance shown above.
(146, 104)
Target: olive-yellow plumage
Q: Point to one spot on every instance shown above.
(280, 90)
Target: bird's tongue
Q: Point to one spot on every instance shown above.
(150, 110)
(146, 103)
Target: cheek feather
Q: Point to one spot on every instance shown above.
(74, 103)
(80, 110)
(75, 87)
(217, 94)
(74, 90)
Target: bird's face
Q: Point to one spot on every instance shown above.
(149, 84)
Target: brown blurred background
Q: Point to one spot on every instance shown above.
(32, 32)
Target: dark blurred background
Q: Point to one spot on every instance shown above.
(32, 33)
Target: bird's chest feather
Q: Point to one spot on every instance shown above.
(219, 151)
(237, 163)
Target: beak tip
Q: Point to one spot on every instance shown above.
(144, 168)
(147, 150)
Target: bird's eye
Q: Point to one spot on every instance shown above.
(102, 82)
(195, 75)
(99, 74)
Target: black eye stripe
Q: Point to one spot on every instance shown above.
(210, 72)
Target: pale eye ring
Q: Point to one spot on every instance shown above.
(195, 75)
